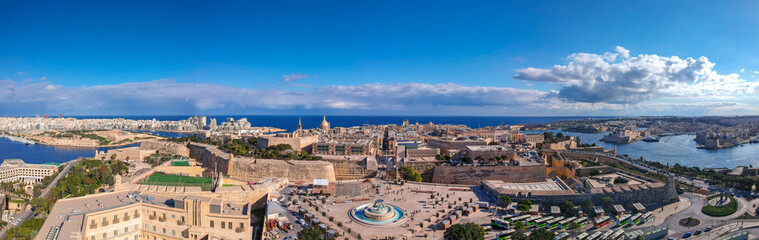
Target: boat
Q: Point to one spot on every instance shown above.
(651, 139)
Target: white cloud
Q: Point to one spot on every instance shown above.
(169, 97)
(623, 52)
(743, 70)
(594, 78)
(295, 77)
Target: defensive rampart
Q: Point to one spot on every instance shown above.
(473, 175)
(253, 170)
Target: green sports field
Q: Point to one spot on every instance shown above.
(176, 180)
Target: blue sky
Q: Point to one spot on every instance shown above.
(379, 57)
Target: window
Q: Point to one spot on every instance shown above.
(211, 223)
(181, 218)
(172, 215)
(173, 233)
(105, 235)
(223, 225)
(115, 232)
(126, 215)
(241, 227)
(115, 217)
(104, 220)
(92, 222)
(164, 230)
(229, 225)
(126, 229)
(93, 237)
(154, 229)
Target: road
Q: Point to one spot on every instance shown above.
(58, 178)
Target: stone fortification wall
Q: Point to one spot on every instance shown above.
(349, 169)
(166, 147)
(253, 170)
(473, 175)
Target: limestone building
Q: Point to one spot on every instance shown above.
(297, 141)
(128, 215)
(17, 170)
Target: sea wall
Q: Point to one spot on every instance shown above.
(473, 175)
(253, 170)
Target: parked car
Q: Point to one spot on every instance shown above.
(708, 229)
(698, 232)
(687, 235)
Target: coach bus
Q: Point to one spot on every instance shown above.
(636, 218)
(531, 221)
(646, 217)
(542, 222)
(554, 222)
(565, 222)
(505, 234)
(582, 236)
(623, 220)
(602, 221)
(581, 221)
(498, 223)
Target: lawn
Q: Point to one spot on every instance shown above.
(176, 180)
(180, 163)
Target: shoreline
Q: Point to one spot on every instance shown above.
(95, 147)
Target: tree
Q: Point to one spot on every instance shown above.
(523, 207)
(542, 234)
(587, 207)
(469, 231)
(519, 226)
(568, 209)
(310, 233)
(607, 202)
(574, 227)
(39, 205)
(409, 174)
(506, 200)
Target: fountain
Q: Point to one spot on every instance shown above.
(378, 214)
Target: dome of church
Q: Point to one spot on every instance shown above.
(324, 124)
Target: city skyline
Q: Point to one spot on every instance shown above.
(498, 59)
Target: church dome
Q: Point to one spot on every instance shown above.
(324, 124)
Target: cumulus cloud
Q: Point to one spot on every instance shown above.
(601, 78)
(295, 77)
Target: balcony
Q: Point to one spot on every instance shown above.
(162, 219)
(152, 217)
(127, 218)
(180, 222)
(104, 224)
(186, 234)
(115, 221)
(93, 225)
(136, 215)
(239, 229)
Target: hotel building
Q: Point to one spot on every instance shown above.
(17, 170)
(130, 216)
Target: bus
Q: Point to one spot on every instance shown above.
(565, 223)
(519, 218)
(607, 234)
(531, 221)
(618, 235)
(554, 222)
(498, 223)
(505, 234)
(582, 236)
(542, 222)
(595, 235)
(646, 217)
(602, 221)
(636, 218)
(623, 220)
(581, 221)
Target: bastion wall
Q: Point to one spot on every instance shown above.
(473, 175)
(253, 170)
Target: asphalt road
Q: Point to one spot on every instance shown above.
(58, 178)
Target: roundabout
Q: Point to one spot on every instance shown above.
(720, 205)
(378, 214)
(689, 222)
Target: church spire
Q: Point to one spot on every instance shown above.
(299, 125)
